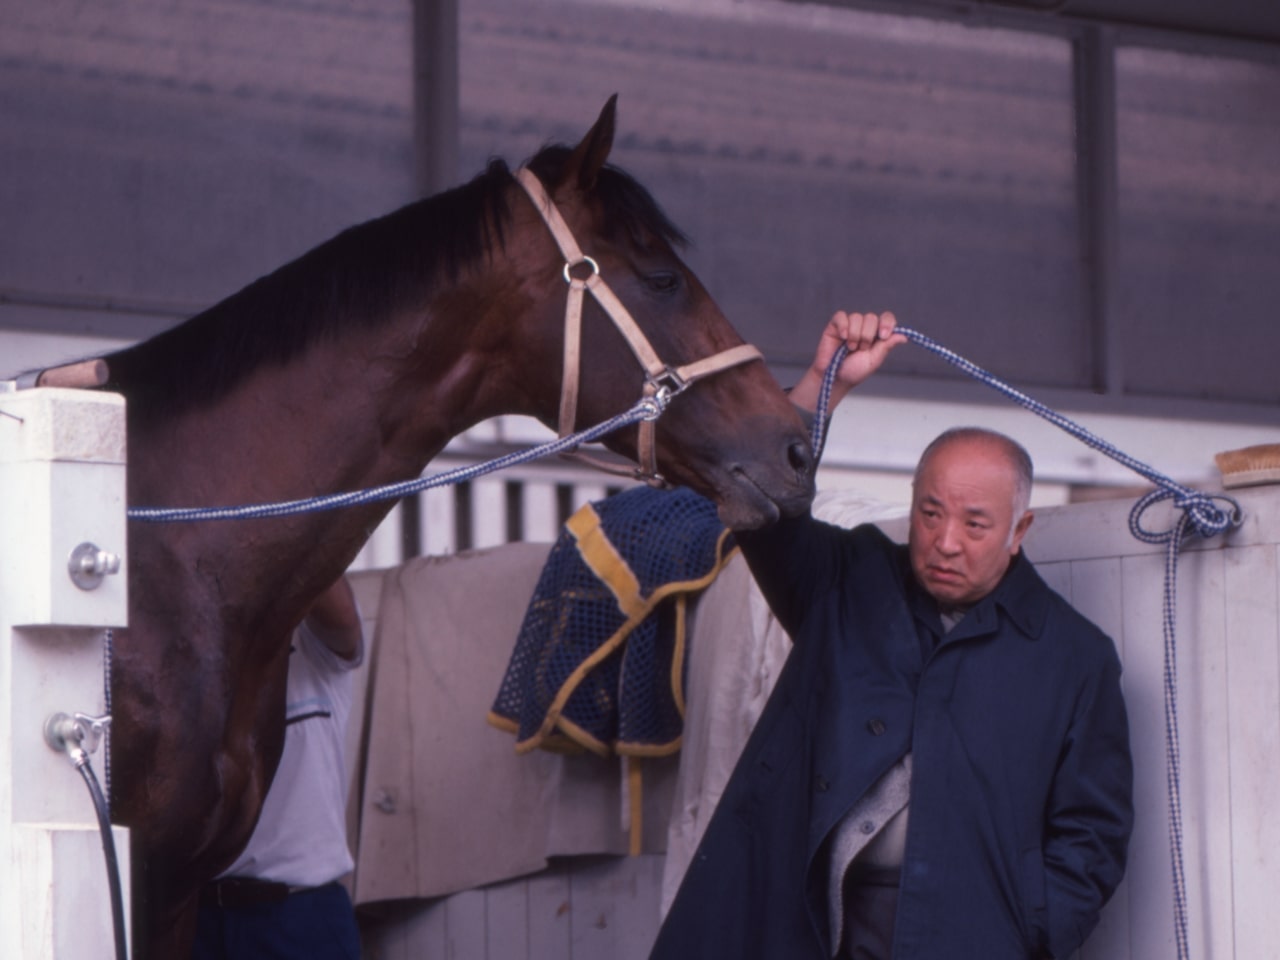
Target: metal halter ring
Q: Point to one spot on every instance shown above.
(569, 278)
(667, 385)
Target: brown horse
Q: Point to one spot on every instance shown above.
(352, 367)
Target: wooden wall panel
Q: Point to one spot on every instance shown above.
(615, 908)
(466, 925)
(506, 920)
(550, 902)
(1253, 626)
(1149, 876)
(1095, 590)
(1202, 713)
(589, 908)
(416, 932)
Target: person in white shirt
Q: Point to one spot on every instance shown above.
(282, 898)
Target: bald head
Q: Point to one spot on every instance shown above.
(1014, 454)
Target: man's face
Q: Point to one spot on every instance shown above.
(963, 532)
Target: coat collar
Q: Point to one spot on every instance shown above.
(1024, 597)
(1018, 595)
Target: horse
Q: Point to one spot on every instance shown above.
(350, 367)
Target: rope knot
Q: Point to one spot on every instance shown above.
(1206, 516)
(1200, 512)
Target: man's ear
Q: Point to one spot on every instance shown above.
(1020, 530)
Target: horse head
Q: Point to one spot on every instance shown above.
(729, 431)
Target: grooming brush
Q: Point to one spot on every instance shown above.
(1249, 466)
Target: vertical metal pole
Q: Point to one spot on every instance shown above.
(435, 94)
(435, 151)
(1096, 173)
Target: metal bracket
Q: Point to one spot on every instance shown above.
(77, 735)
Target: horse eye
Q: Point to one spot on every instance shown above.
(665, 281)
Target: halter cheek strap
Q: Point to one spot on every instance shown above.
(660, 379)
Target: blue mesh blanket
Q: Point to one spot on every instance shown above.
(599, 661)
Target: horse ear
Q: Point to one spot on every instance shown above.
(589, 155)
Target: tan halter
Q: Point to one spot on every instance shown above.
(660, 380)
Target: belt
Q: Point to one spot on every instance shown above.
(245, 892)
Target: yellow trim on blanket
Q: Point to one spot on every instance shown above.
(505, 724)
(612, 569)
(624, 748)
(602, 559)
(635, 798)
(677, 658)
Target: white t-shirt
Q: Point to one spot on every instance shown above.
(301, 837)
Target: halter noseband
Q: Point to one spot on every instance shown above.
(661, 380)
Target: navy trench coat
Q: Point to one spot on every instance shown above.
(1021, 793)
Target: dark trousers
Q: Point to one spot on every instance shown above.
(870, 906)
(315, 924)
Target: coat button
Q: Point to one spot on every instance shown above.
(876, 726)
(821, 784)
(867, 827)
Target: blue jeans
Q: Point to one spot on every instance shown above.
(316, 924)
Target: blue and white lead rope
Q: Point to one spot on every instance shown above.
(1200, 512)
(648, 408)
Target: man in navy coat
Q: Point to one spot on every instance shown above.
(942, 771)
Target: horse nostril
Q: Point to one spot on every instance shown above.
(800, 456)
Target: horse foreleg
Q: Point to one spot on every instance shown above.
(163, 916)
(175, 935)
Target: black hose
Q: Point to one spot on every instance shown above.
(109, 851)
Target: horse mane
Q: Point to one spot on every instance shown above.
(362, 277)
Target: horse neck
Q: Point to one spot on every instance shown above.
(355, 412)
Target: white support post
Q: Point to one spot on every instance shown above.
(62, 487)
